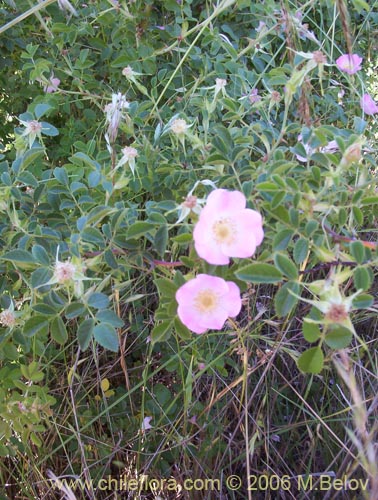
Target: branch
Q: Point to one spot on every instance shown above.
(338, 237)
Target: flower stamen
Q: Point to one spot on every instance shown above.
(206, 301)
(224, 231)
(337, 313)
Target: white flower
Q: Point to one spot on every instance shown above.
(179, 126)
(70, 274)
(7, 318)
(114, 113)
(128, 157)
(33, 129)
(129, 153)
(220, 84)
(128, 72)
(192, 203)
(333, 304)
(64, 271)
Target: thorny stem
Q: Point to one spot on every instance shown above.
(325, 265)
(339, 237)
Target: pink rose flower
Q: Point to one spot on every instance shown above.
(254, 96)
(349, 63)
(53, 87)
(368, 106)
(146, 424)
(206, 302)
(226, 228)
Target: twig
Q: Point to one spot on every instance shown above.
(326, 265)
(338, 237)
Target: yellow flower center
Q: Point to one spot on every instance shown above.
(224, 231)
(206, 301)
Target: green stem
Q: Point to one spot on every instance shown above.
(26, 14)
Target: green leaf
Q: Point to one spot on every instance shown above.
(36, 440)
(311, 361)
(187, 262)
(282, 239)
(161, 239)
(28, 179)
(35, 325)
(362, 278)
(167, 288)
(58, 330)
(98, 213)
(182, 331)
(84, 333)
(25, 160)
(40, 276)
(110, 259)
(294, 216)
(74, 310)
(4, 452)
(343, 216)
(41, 109)
(161, 332)
(358, 215)
(363, 301)
(267, 186)
(40, 255)
(259, 273)
(19, 257)
(98, 300)
(121, 61)
(311, 331)
(300, 250)
(32, 372)
(284, 301)
(106, 336)
(369, 200)
(281, 214)
(277, 199)
(49, 130)
(110, 317)
(311, 227)
(139, 229)
(44, 309)
(286, 266)
(360, 5)
(60, 175)
(93, 235)
(222, 139)
(94, 178)
(338, 337)
(357, 250)
(183, 238)
(86, 160)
